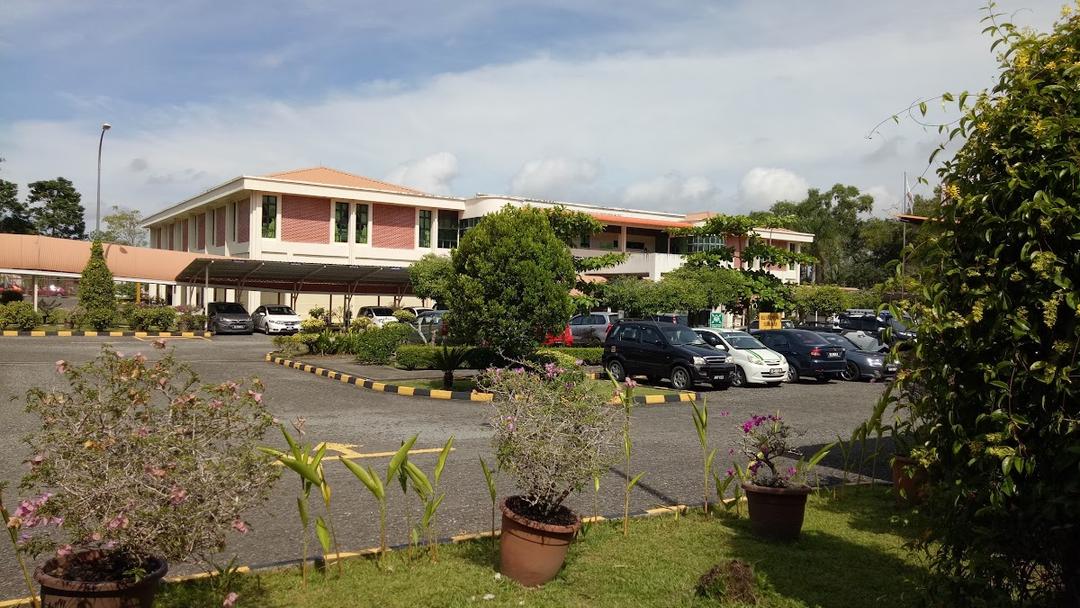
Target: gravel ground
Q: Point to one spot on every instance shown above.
(665, 444)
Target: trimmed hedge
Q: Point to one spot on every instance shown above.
(421, 356)
(589, 355)
(19, 314)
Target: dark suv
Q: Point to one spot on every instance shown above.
(665, 350)
(808, 354)
(228, 318)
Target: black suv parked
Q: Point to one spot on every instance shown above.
(665, 350)
(808, 354)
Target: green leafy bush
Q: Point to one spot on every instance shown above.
(20, 315)
(76, 317)
(404, 316)
(544, 356)
(96, 293)
(190, 318)
(998, 353)
(377, 346)
(415, 356)
(290, 346)
(360, 324)
(143, 318)
(312, 326)
(588, 355)
(60, 316)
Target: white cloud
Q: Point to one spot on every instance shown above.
(431, 174)
(671, 192)
(886, 203)
(762, 186)
(554, 178)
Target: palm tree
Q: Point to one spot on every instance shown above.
(448, 360)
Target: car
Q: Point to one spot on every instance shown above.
(275, 319)
(807, 353)
(869, 364)
(882, 326)
(417, 310)
(754, 362)
(379, 315)
(228, 318)
(563, 338)
(665, 350)
(784, 324)
(432, 326)
(593, 327)
(53, 290)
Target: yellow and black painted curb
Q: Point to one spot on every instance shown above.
(71, 333)
(412, 391)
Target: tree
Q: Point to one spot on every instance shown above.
(511, 282)
(14, 215)
(57, 209)
(122, 226)
(430, 277)
(998, 355)
(820, 299)
(96, 293)
(833, 216)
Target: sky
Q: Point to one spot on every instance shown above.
(669, 105)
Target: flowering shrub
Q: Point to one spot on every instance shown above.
(765, 438)
(137, 457)
(552, 432)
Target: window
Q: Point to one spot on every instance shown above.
(341, 222)
(269, 217)
(650, 336)
(425, 228)
(792, 248)
(585, 241)
(635, 245)
(695, 244)
(361, 223)
(466, 225)
(448, 229)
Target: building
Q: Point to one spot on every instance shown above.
(330, 221)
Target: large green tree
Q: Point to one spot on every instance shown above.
(14, 215)
(56, 208)
(97, 295)
(430, 277)
(833, 216)
(511, 282)
(123, 226)
(995, 373)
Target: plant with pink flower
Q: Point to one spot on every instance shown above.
(765, 439)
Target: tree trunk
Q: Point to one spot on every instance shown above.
(448, 380)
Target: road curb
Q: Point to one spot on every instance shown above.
(430, 393)
(62, 333)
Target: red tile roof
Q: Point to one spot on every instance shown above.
(333, 177)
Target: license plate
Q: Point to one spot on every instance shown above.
(834, 355)
(774, 370)
(718, 377)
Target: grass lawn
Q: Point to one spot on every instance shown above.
(850, 555)
(467, 384)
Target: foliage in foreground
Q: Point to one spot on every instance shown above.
(996, 359)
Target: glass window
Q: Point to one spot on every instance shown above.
(341, 222)
(448, 229)
(791, 248)
(650, 336)
(269, 217)
(465, 225)
(361, 223)
(425, 228)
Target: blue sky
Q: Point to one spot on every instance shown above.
(724, 105)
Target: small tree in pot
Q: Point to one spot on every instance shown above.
(553, 434)
(775, 495)
(138, 464)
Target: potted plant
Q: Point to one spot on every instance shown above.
(776, 497)
(909, 433)
(553, 434)
(137, 464)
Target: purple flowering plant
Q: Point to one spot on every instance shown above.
(137, 457)
(765, 439)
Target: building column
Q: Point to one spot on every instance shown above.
(252, 300)
(622, 239)
(35, 281)
(177, 296)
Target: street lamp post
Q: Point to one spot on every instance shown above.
(97, 220)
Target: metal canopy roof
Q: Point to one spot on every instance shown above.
(297, 276)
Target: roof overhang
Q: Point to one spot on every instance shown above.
(264, 275)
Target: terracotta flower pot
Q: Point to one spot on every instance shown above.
(62, 593)
(531, 552)
(776, 513)
(909, 479)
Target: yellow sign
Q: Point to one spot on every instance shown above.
(768, 320)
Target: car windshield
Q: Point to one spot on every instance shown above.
(279, 310)
(382, 311)
(681, 336)
(231, 308)
(743, 342)
(808, 338)
(840, 341)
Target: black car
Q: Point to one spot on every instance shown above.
(807, 353)
(861, 364)
(665, 350)
(884, 327)
(228, 318)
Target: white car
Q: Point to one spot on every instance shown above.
(379, 315)
(754, 362)
(275, 319)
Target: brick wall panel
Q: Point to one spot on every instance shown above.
(200, 229)
(305, 219)
(393, 226)
(172, 233)
(243, 219)
(185, 228)
(219, 227)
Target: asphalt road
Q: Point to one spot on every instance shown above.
(665, 444)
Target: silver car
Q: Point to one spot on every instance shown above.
(592, 328)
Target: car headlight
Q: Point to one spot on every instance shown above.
(875, 362)
(699, 360)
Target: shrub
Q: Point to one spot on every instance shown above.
(404, 316)
(377, 346)
(415, 356)
(545, 356)
(190, 319)
(588, 355)
(96, 293)
(76, 318)
(10, 295)
(318, 313)
(360, 324)
(511, 283)
(290, 346)
(138, 457)
(142, 318)
(47, 308)
(553, 433)
(21, 315)
(60, 316)
(312, 326)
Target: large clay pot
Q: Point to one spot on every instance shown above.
(909, 479)
(531, 552)
(61, 593)
(776, 513)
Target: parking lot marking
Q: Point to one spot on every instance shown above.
(345, 451)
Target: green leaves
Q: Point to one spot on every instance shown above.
(399, 457)
(323, 534)
(369, 478)
(489, 478)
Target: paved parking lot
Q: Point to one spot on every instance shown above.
(665, 444)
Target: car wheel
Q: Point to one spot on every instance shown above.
(680, 378)
(740, 377)
(851, 372)
(792, 373)
(616, 369)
